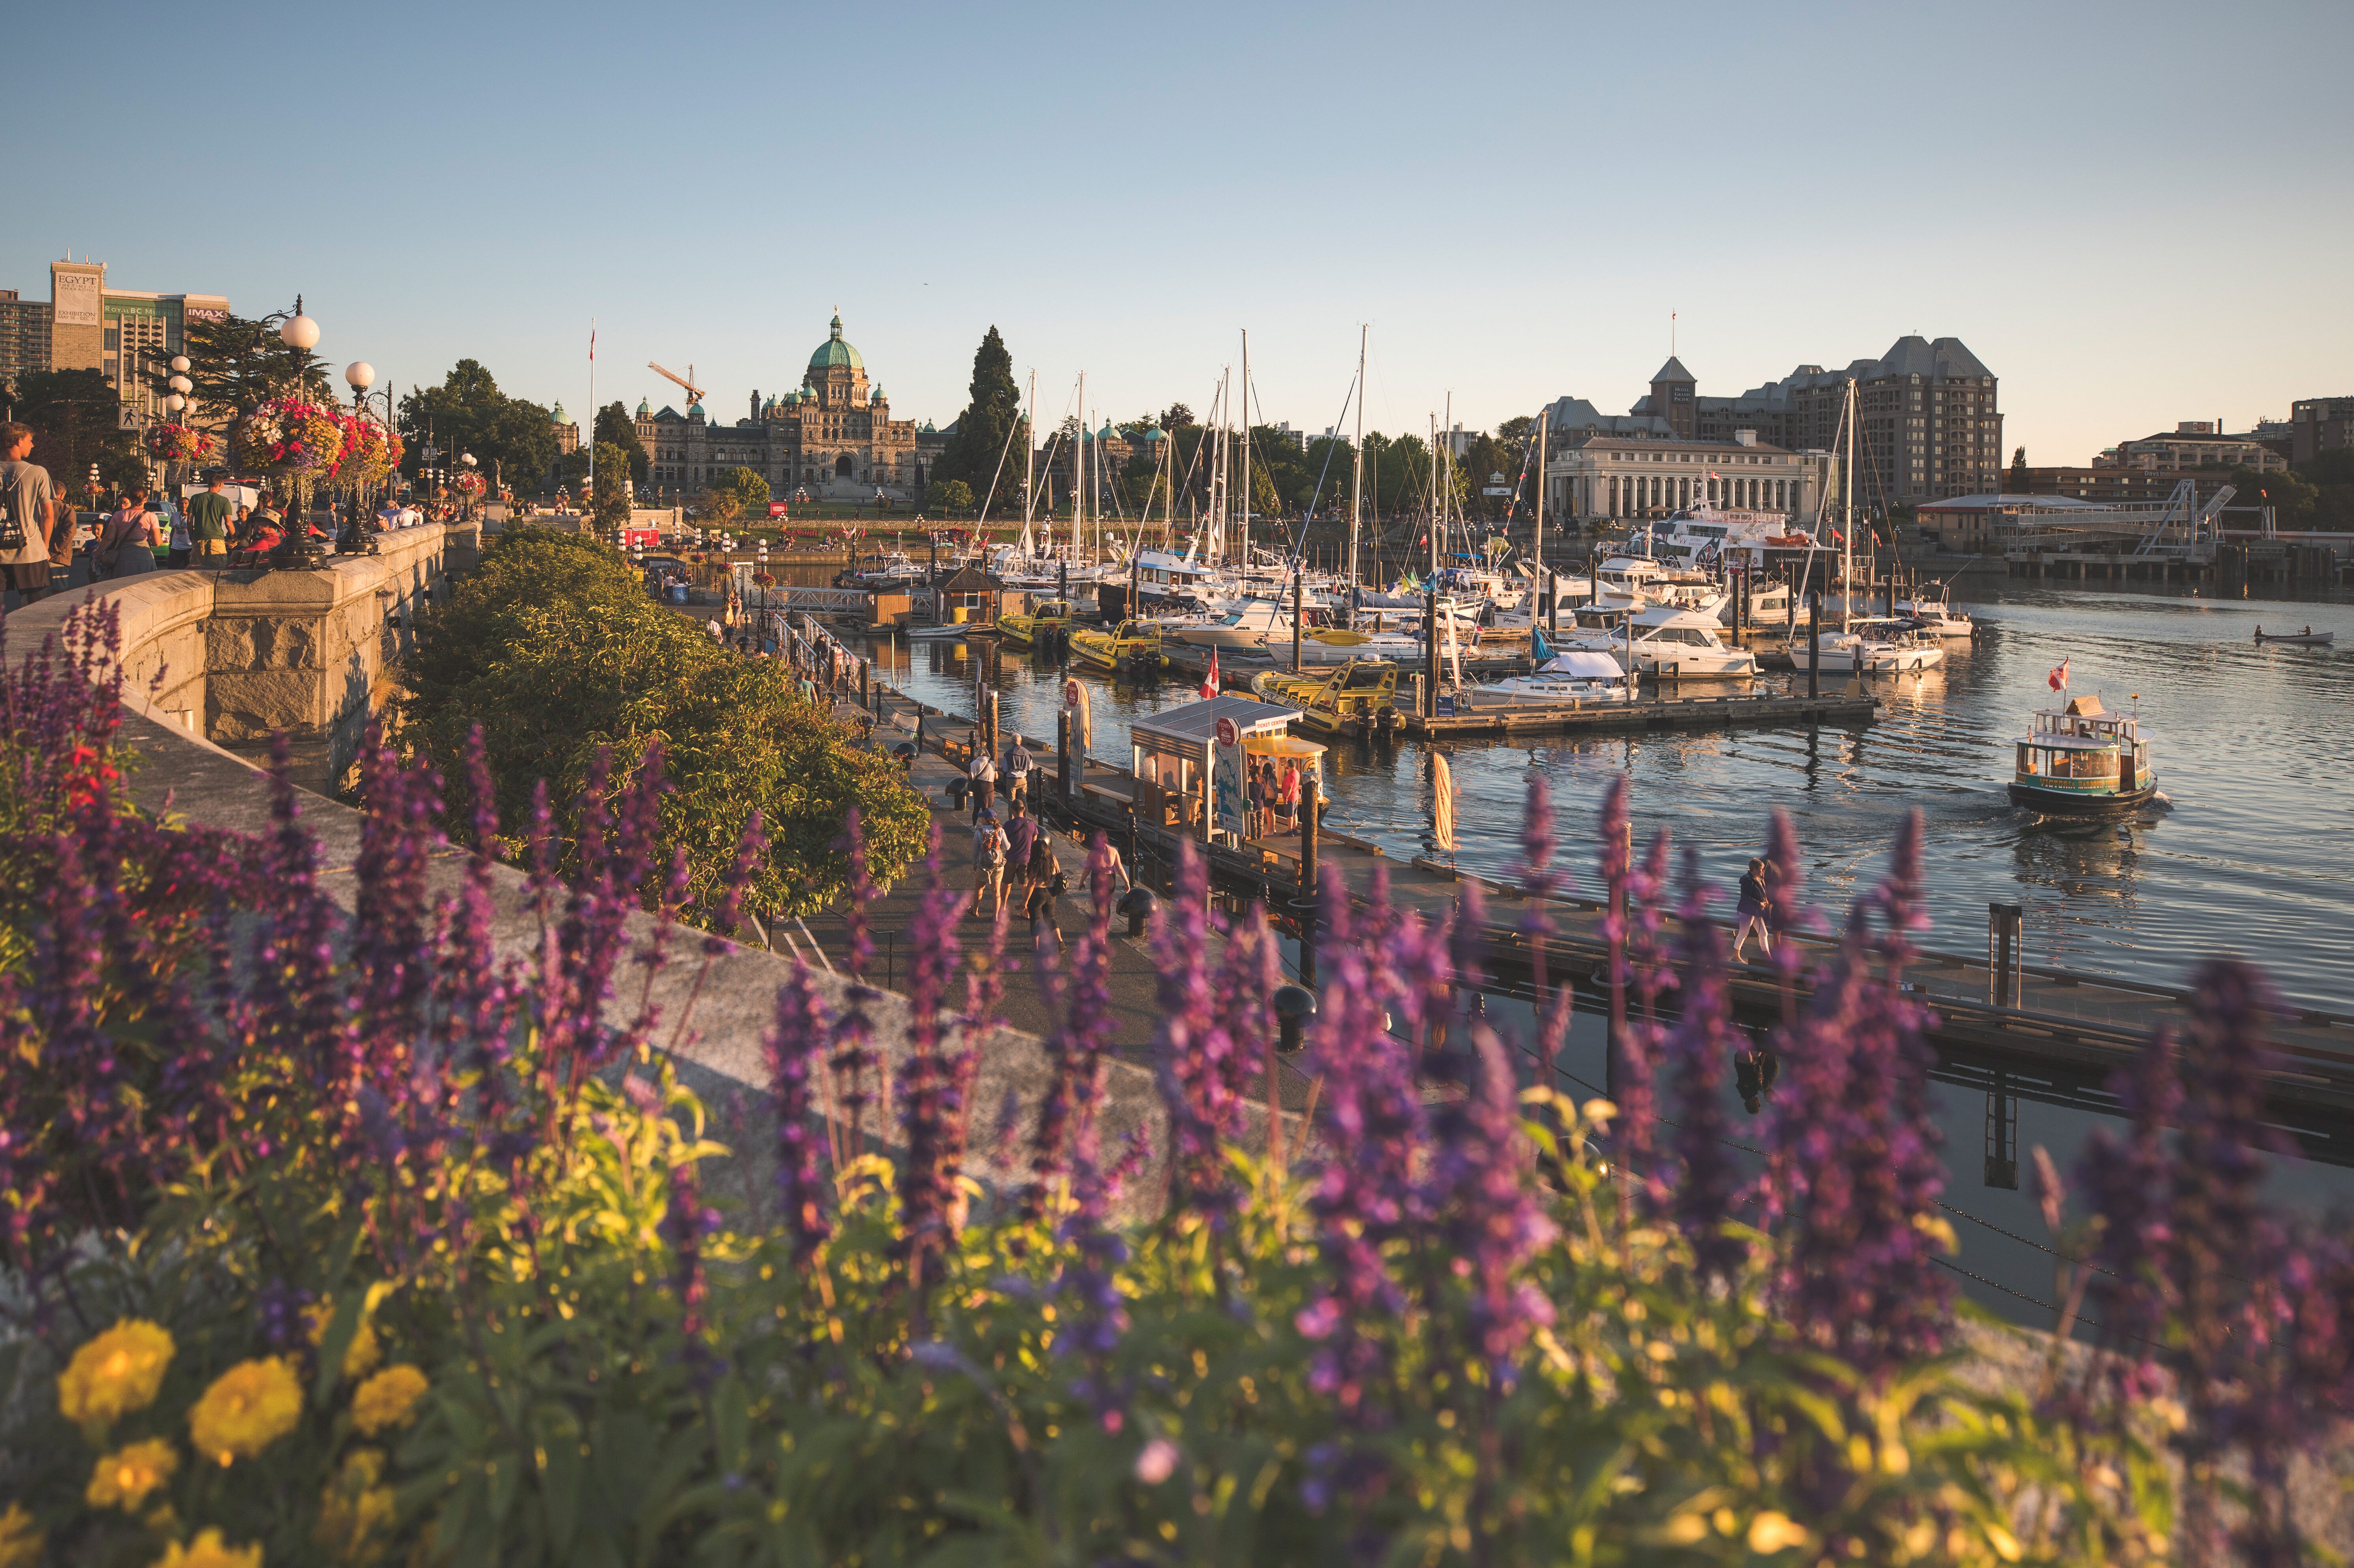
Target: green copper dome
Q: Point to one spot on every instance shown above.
(644, 408)
(834, 352)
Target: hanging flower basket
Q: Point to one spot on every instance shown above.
(371, 452)
(292, 435)
(469, 485)
(178, 443)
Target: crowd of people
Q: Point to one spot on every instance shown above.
(142, 530)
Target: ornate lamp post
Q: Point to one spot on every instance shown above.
(353, 538)
(300, 333)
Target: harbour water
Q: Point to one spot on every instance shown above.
(2253, 855)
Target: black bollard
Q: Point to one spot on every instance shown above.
(1294, 1006)
(1136, 905)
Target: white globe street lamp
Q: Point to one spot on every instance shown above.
(181, 383)
(176, 402)
(359, 375)
(299, 332)
(180, 362)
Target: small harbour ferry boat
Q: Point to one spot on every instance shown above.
(2083, 760)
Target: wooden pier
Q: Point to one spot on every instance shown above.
(2022, 1031)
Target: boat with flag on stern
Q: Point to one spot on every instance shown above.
(2083, 760)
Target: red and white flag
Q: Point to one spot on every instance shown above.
(2059, 676)
(1210, 681)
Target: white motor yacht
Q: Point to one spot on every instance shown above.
(1663, 640)
(1575, 676)
(1874, 645)
(1935, 616)
(1245, 631)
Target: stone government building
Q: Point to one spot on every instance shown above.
(832, 436)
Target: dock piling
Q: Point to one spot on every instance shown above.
(2006, 934)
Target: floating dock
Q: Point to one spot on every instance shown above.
(2020, 1031)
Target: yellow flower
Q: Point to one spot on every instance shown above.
(354, 1507)
(361, 1354)
(124, 1478)
(20, 1543)
(1771, 1532)
(387, 1399)
(208, 1550)
(248, 1408)
(116, 1373)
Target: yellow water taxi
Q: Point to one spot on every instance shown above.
(1133, 648)
(1044, 623)
(1355, 694)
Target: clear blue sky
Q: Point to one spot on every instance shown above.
(2136, 213)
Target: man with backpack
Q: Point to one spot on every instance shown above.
(989, 848)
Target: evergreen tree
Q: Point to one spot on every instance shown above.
(2018, 471)
(614, 425)
(612, 497)
(982, 431)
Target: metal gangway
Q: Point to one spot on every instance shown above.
(2179, 528)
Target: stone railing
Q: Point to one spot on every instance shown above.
(244, 654)
(328, 646)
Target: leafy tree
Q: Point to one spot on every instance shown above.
(1175, 417)
(615, 425)
(553, 648)
(987, 422)
(238, 364)
(76, 419)
(949, 495)
(611, 501)
(574, 466)
(468, 413)
(2019, 480)
(746, 489)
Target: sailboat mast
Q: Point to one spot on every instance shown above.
(1079, 470)
(1436, 525)
(1847, 533)
(1543, 415)
(1357, 480)
(1029, 461)
(1248, 486)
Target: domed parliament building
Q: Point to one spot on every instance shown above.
(832, 436)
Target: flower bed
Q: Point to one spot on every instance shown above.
(341, 1240)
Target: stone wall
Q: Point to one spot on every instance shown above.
(314, 654)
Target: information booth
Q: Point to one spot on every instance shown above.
(1190, 763)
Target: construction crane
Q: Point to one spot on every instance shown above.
(693, 393)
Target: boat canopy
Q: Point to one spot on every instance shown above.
(1195, 724)
(1584, 664)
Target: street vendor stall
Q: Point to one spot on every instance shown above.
(1186, 756)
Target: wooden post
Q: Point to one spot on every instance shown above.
(1814, 645)
(1063, 754)
(1430, 654)
(1296, 576)
(1308, 814)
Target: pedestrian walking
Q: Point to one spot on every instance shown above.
(1023, 830)
(989, 848)
(1289, 793)
(178, 546)
(1752, 912)
(1257, 802)
(1044, 877)
(28, 514)
(984, 782)
(126, 540)
(1019, 764)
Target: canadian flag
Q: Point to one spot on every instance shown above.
(1210, 681)
(2059, 676)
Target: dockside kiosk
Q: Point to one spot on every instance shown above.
(1190, 763)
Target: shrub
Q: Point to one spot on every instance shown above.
(553, 652)
(1450, 1334)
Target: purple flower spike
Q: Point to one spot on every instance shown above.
(796, 1046)
(928, 1086)
(1703, 1041)
(1193, 1054)
(1491, 1222)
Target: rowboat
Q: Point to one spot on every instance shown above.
(2309, 638)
